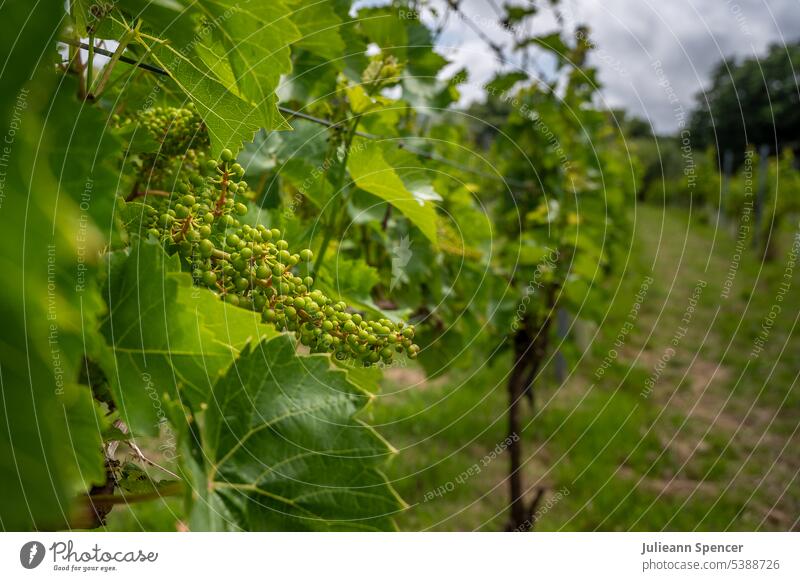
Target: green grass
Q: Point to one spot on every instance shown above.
(710, 448)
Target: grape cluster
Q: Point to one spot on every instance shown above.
(253, 267)
(177, 130)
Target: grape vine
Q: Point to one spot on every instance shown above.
(249, 267)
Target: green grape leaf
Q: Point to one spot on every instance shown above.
(516, 14)
(383, 26)
(423, 62)
(86, 425)
(350, 278)
(230, 119)
(504, 81)
(256, 37)
(371, 172)
(297, 157)
(167, 336)
(318, 25)
(79, 156)
(47, 316)
(551, 42)
(367, 378)
(351, 281)
(285, 451)
(169, 19)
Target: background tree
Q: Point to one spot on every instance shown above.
(745, 99)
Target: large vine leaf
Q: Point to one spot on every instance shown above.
(79, 155)
(369, 168)
(286, 452)
(319, 26)
(46, 315)
(167, 336)
(256, 37)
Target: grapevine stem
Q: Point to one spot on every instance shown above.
(170, 489)
(90, 66)
(223, 193)
(331, 225)
(123, 44)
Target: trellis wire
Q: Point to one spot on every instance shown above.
(318, 120)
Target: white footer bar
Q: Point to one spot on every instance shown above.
(401, 556)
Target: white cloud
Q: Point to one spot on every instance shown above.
(687, 38)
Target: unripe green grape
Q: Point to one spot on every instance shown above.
(232, 240)
(209, 278)
(282, 244)
(206, 247)
(262, 272)
(259, 301)
(306, 255)
(240, 209)
(246, 253)
(226, 155)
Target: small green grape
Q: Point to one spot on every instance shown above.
(206, 247)
(209, 278)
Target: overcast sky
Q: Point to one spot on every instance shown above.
(652, 55)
